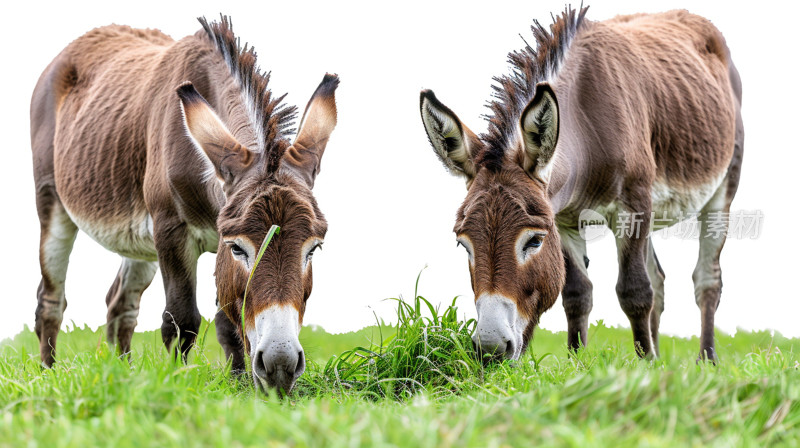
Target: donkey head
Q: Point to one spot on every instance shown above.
(262, 190)
(506, 223)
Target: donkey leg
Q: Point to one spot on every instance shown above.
(577, 293)
(707, 274)
(57, 237)
(633, 283)
(123, 298)
(657, 277)
(177, 255)
(230, 340)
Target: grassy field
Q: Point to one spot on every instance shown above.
(421, 388)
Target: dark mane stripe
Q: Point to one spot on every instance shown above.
(529, 66)
(272, 119)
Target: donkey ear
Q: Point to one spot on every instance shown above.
(305, 155)
(453, 142)
(539, 125)
(211, 137)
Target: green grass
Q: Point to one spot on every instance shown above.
(422, 387)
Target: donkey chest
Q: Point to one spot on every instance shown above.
(206, 238)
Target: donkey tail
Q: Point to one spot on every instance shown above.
(53, 86)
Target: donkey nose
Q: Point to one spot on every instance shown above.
(495, 334)
(499, 343)
(279, 365)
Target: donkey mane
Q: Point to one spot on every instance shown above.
(529, 67)
(272, 119)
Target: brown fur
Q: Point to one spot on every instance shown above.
(114, 156)
(648, 109)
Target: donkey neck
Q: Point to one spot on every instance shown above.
(197, 198)
(569, 169)
(594, 153)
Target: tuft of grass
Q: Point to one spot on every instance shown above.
(432, 353)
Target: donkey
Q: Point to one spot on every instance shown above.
(161, 150)
(635, 115)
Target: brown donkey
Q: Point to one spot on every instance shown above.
(160, 177)
(633, 116)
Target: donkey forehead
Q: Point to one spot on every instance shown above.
(255, 213)
(502, 200)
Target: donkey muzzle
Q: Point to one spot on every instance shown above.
(278, 357)
(500, 327)
(279, 365)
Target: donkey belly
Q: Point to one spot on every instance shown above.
(672, 204)
(101, 190)
(130, 237)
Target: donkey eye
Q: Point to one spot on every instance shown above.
(311, 252)
(466, 245)
(238, 251)
(535, 242)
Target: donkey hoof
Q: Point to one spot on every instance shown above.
(707, 355)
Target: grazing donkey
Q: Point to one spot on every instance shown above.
(160, 178)
(638, 114)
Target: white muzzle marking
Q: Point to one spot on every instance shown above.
(500, 326)
(278, 358)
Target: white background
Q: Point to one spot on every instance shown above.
(389, 203)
